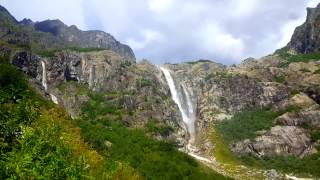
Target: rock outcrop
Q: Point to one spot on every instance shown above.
(280, 140)
(304, 118)
(306, 37)
(85, 39)
(291, 135)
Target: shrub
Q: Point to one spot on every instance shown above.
(151, 158)
(283, 52)
(244, 125)
(154, 127)
(280, 79)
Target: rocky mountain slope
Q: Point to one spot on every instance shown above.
(247, 114)
(53, 34)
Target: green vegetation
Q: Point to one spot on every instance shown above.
(304, 167)
(209, 76)
(219, 75)
(39, 141)
(155, 128)
(144, 82)
(103, 128)
(283, 52)
(280, 79)
(315, 136)
(79, 89)
(221, 151)
(199, 61)
(244, 125)
(51, 53)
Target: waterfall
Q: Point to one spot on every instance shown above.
(44, 76)
(181, 96)
(92, 73)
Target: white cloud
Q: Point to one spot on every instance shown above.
(160, 6)
(287, 30)
(70, 11)
(313, 3)
(244, 8)
(216, 41)
(149, 36)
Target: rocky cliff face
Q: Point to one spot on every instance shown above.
(220, 92)
(85, 39)
(223, 91)
(139, 88)
(306, 37)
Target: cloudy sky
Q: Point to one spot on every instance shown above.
(226, 31)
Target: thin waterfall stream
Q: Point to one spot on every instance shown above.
(182, 97)
(44, 76)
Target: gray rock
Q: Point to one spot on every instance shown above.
(85, 39)
(280, 140)
(306, 37)
(304, 118)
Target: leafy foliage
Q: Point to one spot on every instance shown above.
(39, 141)
(155, 128)
(152, 159)
(244, 125)
(289, 164)
(52, 52)
(280, 79)
(290, 58)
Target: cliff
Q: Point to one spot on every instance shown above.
(306, 37)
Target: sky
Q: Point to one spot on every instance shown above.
(162, 31)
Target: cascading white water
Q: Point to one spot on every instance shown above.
(182, 98)
(187, 106)
(44, 76)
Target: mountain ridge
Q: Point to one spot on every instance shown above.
(58, 35)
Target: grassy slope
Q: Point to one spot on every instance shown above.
(102, 127)
(38, 140)
(243, 126)
(283, 53)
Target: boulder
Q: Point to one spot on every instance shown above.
(280, 140)
(304, 118)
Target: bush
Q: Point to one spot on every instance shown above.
(38, 141)
(151, 158)
(280, 79)
(283, 52)
(155, 128)
(288, 164)
(244, 125)
(52, 52)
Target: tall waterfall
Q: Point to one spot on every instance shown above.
(44, 76)
(181, 96)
